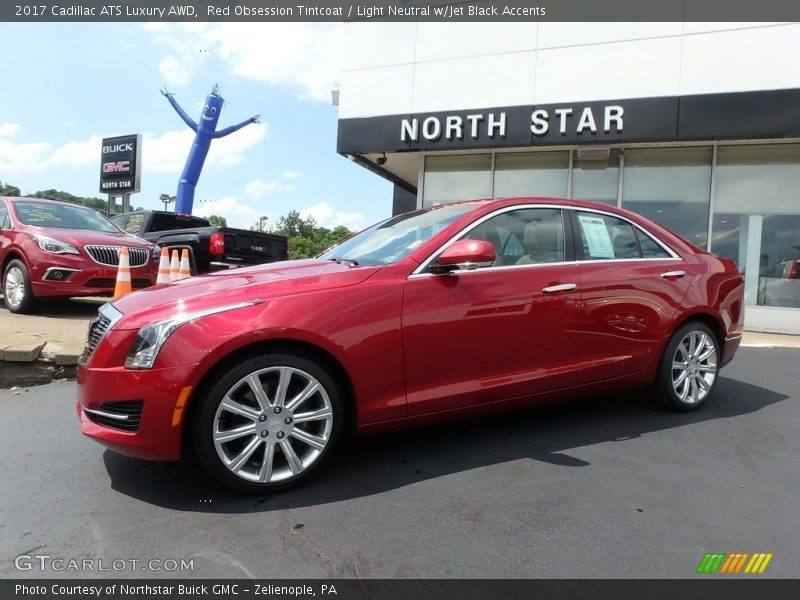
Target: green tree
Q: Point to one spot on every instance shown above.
(218, 221)
(95, 203)
(293, 225)
(8, 189)
(306, 239)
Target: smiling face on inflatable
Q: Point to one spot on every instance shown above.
(211, 111)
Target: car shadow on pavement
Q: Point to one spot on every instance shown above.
(378, 464)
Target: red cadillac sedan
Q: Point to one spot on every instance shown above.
(55, 249)
(440, 313)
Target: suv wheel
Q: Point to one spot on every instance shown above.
(17, 288)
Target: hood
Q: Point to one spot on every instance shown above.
(84, 237)
(261, 282)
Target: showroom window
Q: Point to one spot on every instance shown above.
(454, 178)
(779, 276)
(671, 186)
(531, 174)
(595, 176)
(757, 218)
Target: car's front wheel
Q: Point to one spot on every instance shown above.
(689, 368)
(17, 288)
(269, 423)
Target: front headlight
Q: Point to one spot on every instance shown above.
(151, 338)
(52, 246)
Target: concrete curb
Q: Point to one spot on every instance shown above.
(32, 361)
(37, 372)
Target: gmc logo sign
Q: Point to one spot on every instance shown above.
(120, 166)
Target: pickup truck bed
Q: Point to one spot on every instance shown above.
(210, 248)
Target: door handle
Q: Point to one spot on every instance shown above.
(675, 274)
(562, 287)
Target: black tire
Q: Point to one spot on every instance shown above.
(16, 270)
(270, 427)
(669, 388)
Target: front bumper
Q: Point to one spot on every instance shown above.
(85, 278)
(159, 389)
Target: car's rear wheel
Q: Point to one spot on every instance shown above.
(269, 423)
(689, 368)
(17, 289)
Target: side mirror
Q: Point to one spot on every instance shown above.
(465, 255)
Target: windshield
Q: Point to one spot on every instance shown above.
(45, 214)
(394, 239)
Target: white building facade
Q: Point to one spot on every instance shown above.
(694, 125)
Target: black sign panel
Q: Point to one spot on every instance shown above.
(608, 121)
(120, 164)
(765, 114)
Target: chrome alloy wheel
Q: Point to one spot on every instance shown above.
(694, 367)
(273, 424)
(14, 288)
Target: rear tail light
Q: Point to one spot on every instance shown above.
(217, 243)
(793, 270)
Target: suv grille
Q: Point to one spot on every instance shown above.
(106, 317)
(126, 416)
(109, 255)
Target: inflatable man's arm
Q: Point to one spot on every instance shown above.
(232, 128)
(179, 110)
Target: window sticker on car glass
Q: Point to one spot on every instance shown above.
(597, 237)
(35, 214)
(134, 223)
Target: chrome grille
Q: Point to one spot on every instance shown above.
(109, 255)
(98, 327)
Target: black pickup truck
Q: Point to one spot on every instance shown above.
(210, 248)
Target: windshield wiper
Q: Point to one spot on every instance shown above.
(350, 262)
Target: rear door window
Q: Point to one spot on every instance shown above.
(649, 247)
(605, 237)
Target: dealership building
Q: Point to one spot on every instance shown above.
(694, 125)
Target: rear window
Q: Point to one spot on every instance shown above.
(45, 214)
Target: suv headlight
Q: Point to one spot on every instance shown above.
(150, 339)
(53, 246)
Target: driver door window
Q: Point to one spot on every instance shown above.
(523, 237)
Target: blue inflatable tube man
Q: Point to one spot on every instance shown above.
(206, 131)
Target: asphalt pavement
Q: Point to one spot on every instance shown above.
(608, 487)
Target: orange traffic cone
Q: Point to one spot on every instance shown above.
(184, 271)
(163, 267)
(174, 266)
(123, 285)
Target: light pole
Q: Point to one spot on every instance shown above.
(261, 221)
(166, 199)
